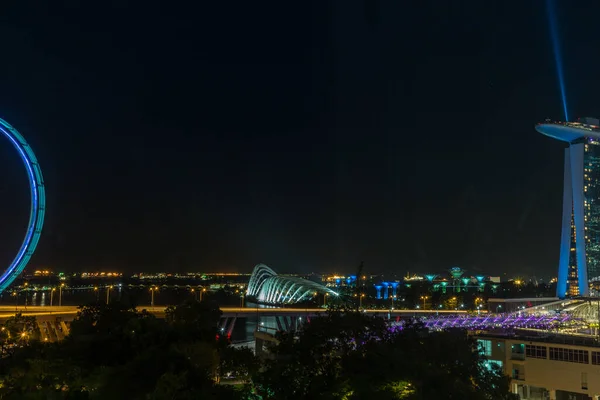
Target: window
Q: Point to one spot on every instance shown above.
(533, 351)
(518, 372)
(517, 351)
(492, 364)
(596, 357)
(518, 348)
(485, 346)
(569, 355)
(584, 380)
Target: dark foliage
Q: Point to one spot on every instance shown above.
(354, 356)
(115, 352)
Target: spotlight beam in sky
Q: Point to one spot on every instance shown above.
(551, 9)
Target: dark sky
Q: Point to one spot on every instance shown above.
(306, 135)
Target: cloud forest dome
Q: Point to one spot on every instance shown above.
(268, 287)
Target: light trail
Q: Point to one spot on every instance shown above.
(553, 23)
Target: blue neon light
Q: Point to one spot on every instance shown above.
(378, 288)
(38, 205)
(550, 7)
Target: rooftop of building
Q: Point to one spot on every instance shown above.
(558, 338)
(570, 131)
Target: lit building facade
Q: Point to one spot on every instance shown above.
(572, 281)
(591, 193)
(579, 262)
(545, 369)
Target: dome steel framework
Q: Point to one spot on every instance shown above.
(269, 288)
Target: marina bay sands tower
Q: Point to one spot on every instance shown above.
(579, 262)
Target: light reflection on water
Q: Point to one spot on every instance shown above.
(129, 295)
(67, 297)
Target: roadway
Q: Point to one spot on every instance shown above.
(65, 311)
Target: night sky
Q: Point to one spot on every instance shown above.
(308, 136)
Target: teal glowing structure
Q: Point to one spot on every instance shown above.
(269, 288)
(38, 204)
(386, 289)
(378, 288)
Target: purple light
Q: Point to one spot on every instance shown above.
(509, 321)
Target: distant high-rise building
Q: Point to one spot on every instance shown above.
(579, 263)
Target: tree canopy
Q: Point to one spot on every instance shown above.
(117, 352)
(355, 356)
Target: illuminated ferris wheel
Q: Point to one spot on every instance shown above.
(38, 205)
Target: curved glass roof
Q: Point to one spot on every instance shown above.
(269, 288)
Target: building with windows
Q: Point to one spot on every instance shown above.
(546, 368)
(579, 262)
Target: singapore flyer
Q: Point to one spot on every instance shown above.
(38, 204)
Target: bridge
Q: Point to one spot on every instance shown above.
(54, 320)
(69, 312)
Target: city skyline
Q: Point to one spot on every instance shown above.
(298, 200)
(196, 138)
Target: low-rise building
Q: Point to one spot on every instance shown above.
(552, 367)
